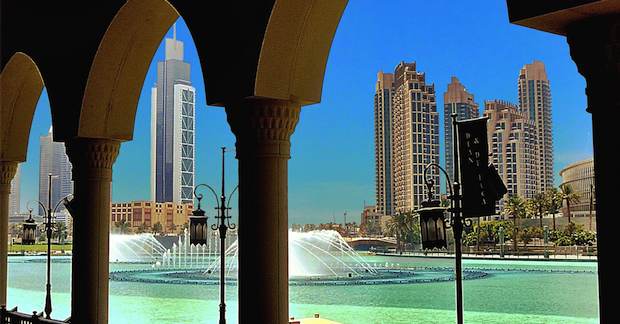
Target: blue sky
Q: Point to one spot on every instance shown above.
(332, 166)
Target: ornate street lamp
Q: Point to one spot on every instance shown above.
(48, 227)
(432, 225)
(29, 229)
(482, 187)
(198, 227)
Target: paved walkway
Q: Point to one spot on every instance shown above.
(552, 257)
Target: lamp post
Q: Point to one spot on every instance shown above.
(482, 187)
(49, 226)
(222, 214)
(433, 228)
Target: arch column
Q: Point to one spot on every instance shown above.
(92, 161)
(263, 128)
(595, 48)
(7, 172)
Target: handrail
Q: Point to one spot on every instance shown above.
(12, 316)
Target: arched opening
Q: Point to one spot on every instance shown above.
(282, 80)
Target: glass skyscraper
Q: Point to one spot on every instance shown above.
(53, 160)
(173, 128)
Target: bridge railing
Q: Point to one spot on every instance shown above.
(12, 316)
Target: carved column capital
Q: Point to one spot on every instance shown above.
(271, 122)
(595, 48)
(92, 158)
(7, 172)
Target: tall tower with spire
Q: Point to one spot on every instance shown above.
(172, 128)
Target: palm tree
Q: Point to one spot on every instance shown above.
(570, 195)
(539, 203)
(397, 226)
(555, 199)
(413, 225)
(61, 232)
(515, 207)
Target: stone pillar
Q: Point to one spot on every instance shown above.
(595, 48)
(7, 172)
(263, 129)
(92, 161)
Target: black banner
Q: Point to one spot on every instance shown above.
(480, 183)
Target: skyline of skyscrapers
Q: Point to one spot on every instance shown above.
(53, 160)
(406, 138)
(172, 128)
(406, 134)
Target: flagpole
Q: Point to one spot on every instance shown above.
(457, 225)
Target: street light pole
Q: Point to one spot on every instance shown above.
(49, 228)
(222, 214)
(49, 225)
(457, 223)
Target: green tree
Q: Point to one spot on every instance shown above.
(16, 229)
(555, 199)
(142, 228)
(61, 232)
(412, 224)
(489, 232)
(172, 228)
(570, 195)
(572, 234)
(397, 226)
(514, 207)
(122, 227)
(309, 227)
(539, 203)
(157, 228)
(370, 228)
(529, 233)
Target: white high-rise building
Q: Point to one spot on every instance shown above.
(172, 128)
(53, 160)
(15, 195)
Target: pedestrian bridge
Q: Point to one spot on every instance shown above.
(365, 243)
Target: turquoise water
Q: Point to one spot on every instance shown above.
(533, 296)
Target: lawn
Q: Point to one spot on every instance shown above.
(39, 247)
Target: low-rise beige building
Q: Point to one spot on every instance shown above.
(149, 213)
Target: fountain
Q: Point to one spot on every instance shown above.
(315, 258)
(312, 254)
(143, 248)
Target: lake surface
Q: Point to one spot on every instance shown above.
(513, 292)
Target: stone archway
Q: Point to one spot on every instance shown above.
(20, 88)
(263, 68)
(120, 65)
